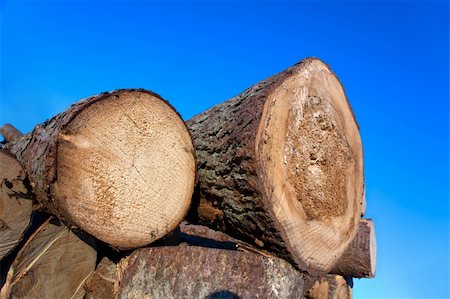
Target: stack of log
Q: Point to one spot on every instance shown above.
(260, 196)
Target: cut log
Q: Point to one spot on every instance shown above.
(281, 166)
(360, 258)
(119, 165)
(54, 263)
(196, 272)
(100, 284)
(16, 203)
(330, 287)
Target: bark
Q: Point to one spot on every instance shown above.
(119, 165)
(330, 287)
(359, 259)
(280, 166)
(194, 272)
(52, 264)
(16, 203)
(10, 133)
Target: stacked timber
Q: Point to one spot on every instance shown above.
(270, 186)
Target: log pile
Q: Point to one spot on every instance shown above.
(260, 196)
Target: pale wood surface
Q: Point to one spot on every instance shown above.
(54, 263)
(119, 165)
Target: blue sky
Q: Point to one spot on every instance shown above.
(392, 57)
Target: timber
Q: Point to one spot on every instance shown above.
(280, 166)
(197, 272)
(16, 203)
(54, 263)
(360, 258)
(119, 165)
(330, 287)
(100, 284)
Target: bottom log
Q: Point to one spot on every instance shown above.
(330, 287)
(54, 263)
(198, 272)
(100, 284)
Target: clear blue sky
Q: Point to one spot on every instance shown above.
(392, 57)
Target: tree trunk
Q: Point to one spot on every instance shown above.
(196, 272)
(52, 264)
(119, 165)
(330, 287)
(16, 203)
(360, 258)
(281, 166)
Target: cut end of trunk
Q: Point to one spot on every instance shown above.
(310, 154)
(125, 169)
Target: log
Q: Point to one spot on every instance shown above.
(281, 166)
(360, 258)
(100, 284)
(54, 263)
(16, 203)
(196, 272)
(119, 165)
(330, 287)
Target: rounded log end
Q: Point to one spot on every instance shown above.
(125, 169)
(311, 157)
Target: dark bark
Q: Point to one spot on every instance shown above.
(359, 259)
(229, 194)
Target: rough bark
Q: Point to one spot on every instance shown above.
(16, 203)
(196, 272)
(52, 264)
(330, 287)
(281, 166)
(119, 165)
(359, 259)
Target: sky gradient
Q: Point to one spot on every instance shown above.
(392, 58)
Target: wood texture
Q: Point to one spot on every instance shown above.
(330, 287)
(16, 203)
(195, 272)
(119, 165)
(100, 284)
(280, 166)
(360, 258)
(53, 264)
